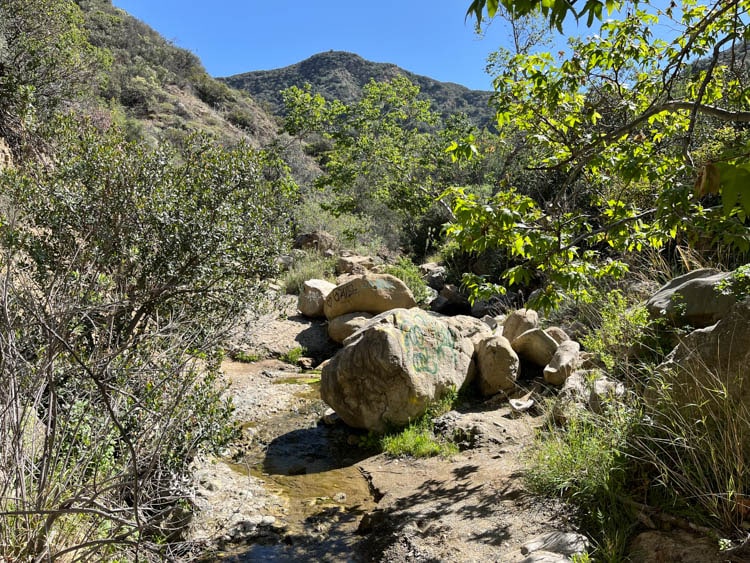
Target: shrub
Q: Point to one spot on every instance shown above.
(308, 267)
(124, 268)
(405, 270)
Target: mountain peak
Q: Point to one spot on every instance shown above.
(342, 75)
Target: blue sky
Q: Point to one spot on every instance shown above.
(235, 36)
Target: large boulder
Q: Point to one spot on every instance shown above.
(354, 264)
(535, 345)
(692, 299)
(563, 362)
(369, 293)
(468, 327)
(316, 240)
(312, 297)
(392, 369)
(498, 365)
(708, 369)
(341, 328)
(519, 322)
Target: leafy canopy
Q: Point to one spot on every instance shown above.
(644, 121)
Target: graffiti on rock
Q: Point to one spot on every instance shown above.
(428, 343)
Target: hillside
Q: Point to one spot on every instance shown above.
(341, 75)
(163, 91)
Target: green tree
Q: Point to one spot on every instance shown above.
(631, 118)
(123, 268)
(45, 62)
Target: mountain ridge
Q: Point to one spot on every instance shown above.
(342, 75)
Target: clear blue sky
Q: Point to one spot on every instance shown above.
(235, 36)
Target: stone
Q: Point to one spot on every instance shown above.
(557, 333)
(451, 301)
(604, 390)
(433, 274)
(468, 327)
(562, 364)
(313, 295)
(497, 364)
(342, 327)
(370, 293)
(692, 299)
(535, 345)
(321, 241)
(546, 557)
(392, 369)
(354, 264)
(519, 322)
(565, 543)
(572, 398)
(715, 357)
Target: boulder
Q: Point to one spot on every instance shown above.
(433, 275)
(468, 327)
(317, 240)
(656, 546)
(392, 369)
(604, 390)
(497, 364)
(341, 328)
(451, 301)
(557, 333)
(562, 364)
(354, 264)
(313, 295)
(535, 345)
(692, 299)
(519, 322)
(711, 359)
(370, 293)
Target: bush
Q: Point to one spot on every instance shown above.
(308, 267)
(405, 270)
(124, 268)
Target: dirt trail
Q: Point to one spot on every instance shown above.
(295, 489)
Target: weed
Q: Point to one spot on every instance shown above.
(405, 270)
(308, 267)
(245, 357)
(293, 356)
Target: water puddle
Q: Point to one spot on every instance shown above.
(312, 467)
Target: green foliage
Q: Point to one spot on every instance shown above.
(622, 327)
(418, 438)
(245, 357)
(45, 62)
(405, 270)
(124, 268)
(587, 463)
(622, 118)
(309, 266)
(293, 356)
(737, 284)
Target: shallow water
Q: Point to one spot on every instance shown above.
(312, 467)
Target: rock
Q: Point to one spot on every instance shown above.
(519, 322)
(285, 262)
(709, 359)
(316, 240)
(341, 328)
(557, 334)
(678, 545)
(565, 543)
(474, 430)
(604, 390)
(562, 363)
(468, 327)
(546, 557)
(433, 275)
(354, 264)
(390, 371)
(692, 299)
(535, 345)
(371, 293)
(498, 365)
(451, 302)
(572, 398)
(329, 417)
(313, 295)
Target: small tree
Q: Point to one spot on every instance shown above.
(122, 269)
